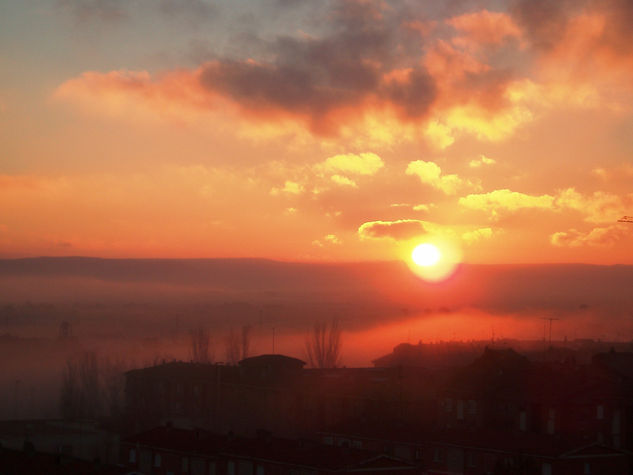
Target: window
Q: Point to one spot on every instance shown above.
(185, 464)
(327, 440)
(157, 460)
(599, 411)
(551, 421)
(132, 458)
(343, 442)
(260, 470)
(357, 444)
(587, 470)
(470, 459)
(230, 468)
(546, 469)
(448, 404)
(437, 455)
(460, 410)
(522, 421)
(418, 454)
(472, 407)
(211, 468)
(244, 467)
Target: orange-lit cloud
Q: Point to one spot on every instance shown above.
(342, 78)
(506, 200)
(290, 187)
(481, 161)
(600, 236)
(350, 163)
(484, 27)
(598, 207)
(398, 230)
(343, 181)
(430, 174)
(477, 235)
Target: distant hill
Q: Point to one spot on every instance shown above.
(490, 287)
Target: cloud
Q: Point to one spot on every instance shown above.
(544, 21)
(484, 27)
(102, 10)
(581, 45)
(600, 236)
(506, 200)
(477, 235)
(332, 238)
(354, 164)
(599, 207)
(341, 165)
(343, 181)
(290, 187)
(194, 11)
(482, 160)
(328, 239)
(343, 79)
(397, 230)
(418, 207)
(431, 174)
(487, 76)
(439, 135)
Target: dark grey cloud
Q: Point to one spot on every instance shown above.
(398, 230)
(97, 10)
(315, 77)
(545, 21)
(193, 11)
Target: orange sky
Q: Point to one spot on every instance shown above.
(346, 130)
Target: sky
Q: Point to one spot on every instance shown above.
(341, 130)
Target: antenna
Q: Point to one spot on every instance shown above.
(550, 327)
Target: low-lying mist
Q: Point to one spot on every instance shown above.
(138, 312)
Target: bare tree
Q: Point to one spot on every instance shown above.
(89, 380)
(69, 403)
(92, 387)
(113, 382)
(238, 344)
(201, 349)
(246, 341)
(232, 347)
(323, 345)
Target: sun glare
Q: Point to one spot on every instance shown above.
(435, 261)
(426, 255)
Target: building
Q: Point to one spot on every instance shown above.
(169, 450)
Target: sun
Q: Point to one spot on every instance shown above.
(426, 255)
(435, 260)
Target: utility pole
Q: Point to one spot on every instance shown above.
(550, 327)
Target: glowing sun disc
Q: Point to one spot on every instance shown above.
(426, 255)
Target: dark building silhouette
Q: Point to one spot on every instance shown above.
(274, 392)
(501, 413)
(167, 449)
